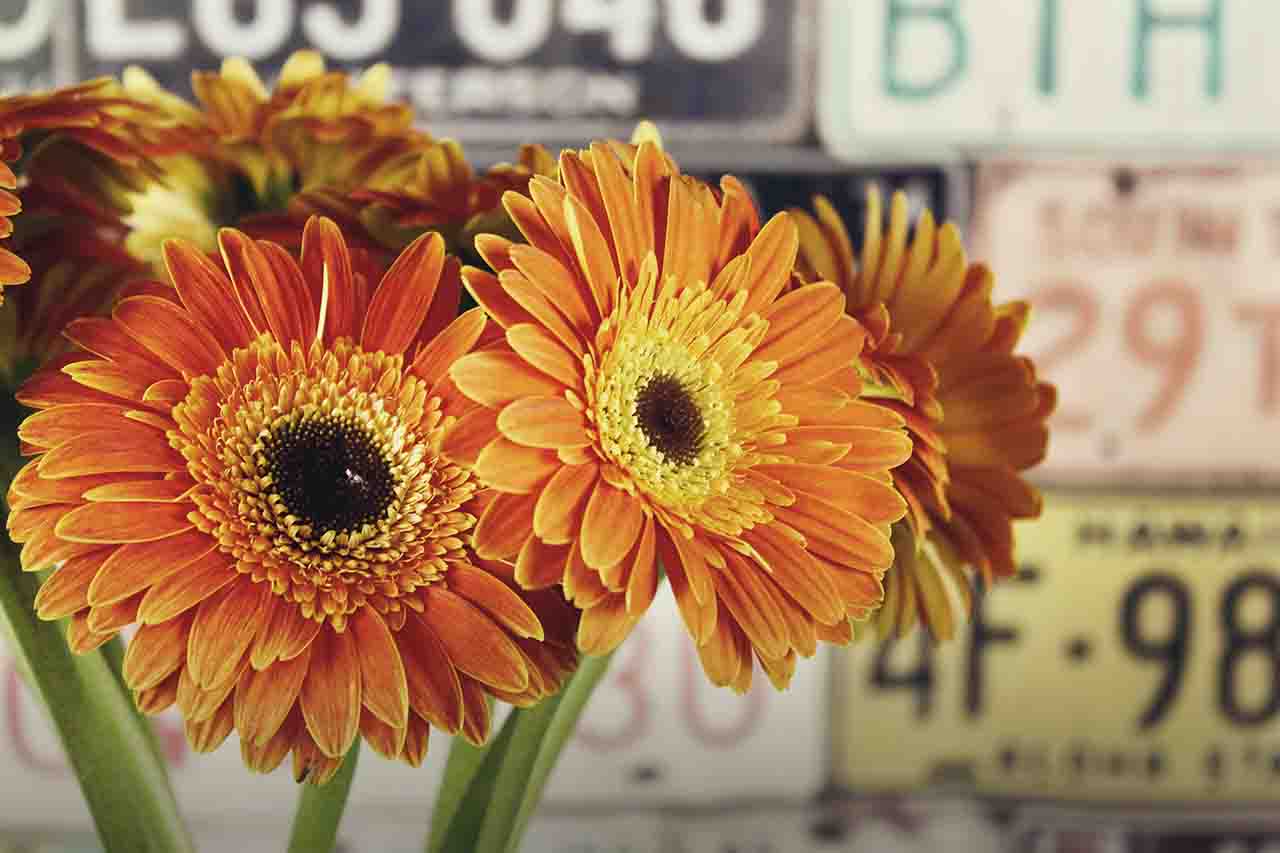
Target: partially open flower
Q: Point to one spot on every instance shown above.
(941, 355)
(658, 401)
(259, 160)
(248, 466)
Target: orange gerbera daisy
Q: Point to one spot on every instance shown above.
(249, 469)
(97, 116)
(941, 355)
(656, 400)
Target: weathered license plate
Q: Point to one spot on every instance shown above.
(1155, 289)
(1135, 657)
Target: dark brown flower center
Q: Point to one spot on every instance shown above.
(670, 419)
(330, 473)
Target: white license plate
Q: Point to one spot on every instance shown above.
(902, 75)
(1155, 293)
(656, 731)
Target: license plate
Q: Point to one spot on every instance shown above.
(654, 732)
(522, 70)
(1155, 310)
(909, 76)
(1136, 656)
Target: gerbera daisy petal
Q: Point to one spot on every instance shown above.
(67, 590)
(435, 693)
(547, 422)
(265, 698)
(136, 566)
(207, 294)
(475, 644)
(385, 691)
(224, 628)
(404, 296)
(331, 691)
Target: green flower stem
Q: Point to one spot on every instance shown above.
(491, 792)
(123, 779)
(320, 808)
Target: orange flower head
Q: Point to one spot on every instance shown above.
(941, 355)
(657, 403)
(247, 466)
(97, 117)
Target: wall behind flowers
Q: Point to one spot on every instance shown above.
(1114, 162)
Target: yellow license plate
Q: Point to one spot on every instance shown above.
(1135, 657)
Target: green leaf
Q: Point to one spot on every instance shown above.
(123, 779)
(491, 792)
(320, 808)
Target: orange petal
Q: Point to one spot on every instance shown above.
(605, 625)
(642, 583)
(206, 292)
(557, 515)
(495, 300)
(132, 449)
(286, 300)
(139, 491)
(325, 257)
(798, 573)
(612, 524)
(330, 696)
(134, 567)
(286, 633)
(540, 564)
(753, 608)
(496, 599)
(469, 436)
(496, 378)
(550, 422)
(183, 590)
(404, 296)
(111, 523)
(434, 690)
(859, 494)
(509, 467)
(66, 590)
(540, 348)
(168, 332)
(434, 360)
(58, 424)
(839, 536)
(224, 627)
(155, 653)
(384, 691)
(504, 525)
(773, 257)
(475, 645)
(476, 715)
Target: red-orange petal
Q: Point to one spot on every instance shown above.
(330, 696)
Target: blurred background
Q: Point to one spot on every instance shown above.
(1115, 162)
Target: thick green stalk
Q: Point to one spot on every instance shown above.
(123, 779)
(320, 808)
(503, 781)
